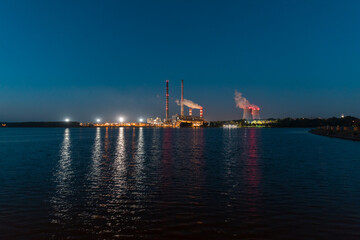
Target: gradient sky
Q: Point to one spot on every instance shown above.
(89, 59)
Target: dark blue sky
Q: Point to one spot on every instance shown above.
(88, 59)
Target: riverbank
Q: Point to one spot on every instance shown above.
(347, 133)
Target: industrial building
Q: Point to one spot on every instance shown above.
(156, 121)
(182, 120)
(187, 121)
(179, 120)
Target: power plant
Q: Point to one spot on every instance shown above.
(251, 114)
(251, 111)
(256, 113)
(179, 120)
(247, 113)
(182, 120)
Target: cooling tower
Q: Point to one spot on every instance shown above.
(255, 113)
(247, 113)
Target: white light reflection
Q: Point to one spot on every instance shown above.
(139, 170)
(96, 158)
(140, 155)
(63, 175)
(120, 165)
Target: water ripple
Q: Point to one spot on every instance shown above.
(131, 183)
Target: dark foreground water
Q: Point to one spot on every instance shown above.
(177, 184)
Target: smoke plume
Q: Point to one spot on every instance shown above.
(242, 102)
(189, 104)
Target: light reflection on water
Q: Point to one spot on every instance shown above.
(96, 158)
(120, 165)
(252, 175)
(63, 178)
(139, 160)
(110, 183)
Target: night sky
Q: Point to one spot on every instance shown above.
(89, 59)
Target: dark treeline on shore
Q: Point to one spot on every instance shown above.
(291, 122)
(317, 122)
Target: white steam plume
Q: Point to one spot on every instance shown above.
(242, 102)
(189, 104)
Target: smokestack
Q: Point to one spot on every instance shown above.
(167, 101)
(247, 113)
(190, 111)
(201, 112)
(182, 98)
(255, 113)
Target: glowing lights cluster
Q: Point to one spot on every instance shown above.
(99, 120)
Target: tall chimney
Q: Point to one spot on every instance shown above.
(167, 100)
(190, 111)
(182, 98)
(201, 112)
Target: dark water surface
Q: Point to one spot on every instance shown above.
(177, 184)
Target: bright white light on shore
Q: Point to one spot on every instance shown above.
(67, 120)
(141, 120)
(121, 119)
(98, 120)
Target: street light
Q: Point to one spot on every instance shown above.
(67, 120)
(121, 119)
(141, 120)
(98, 120)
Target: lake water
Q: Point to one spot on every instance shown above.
(125, 183)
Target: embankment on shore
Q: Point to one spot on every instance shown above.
(59, 124)
(349, 133)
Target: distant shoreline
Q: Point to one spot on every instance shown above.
(346, 135)
(346, 128)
